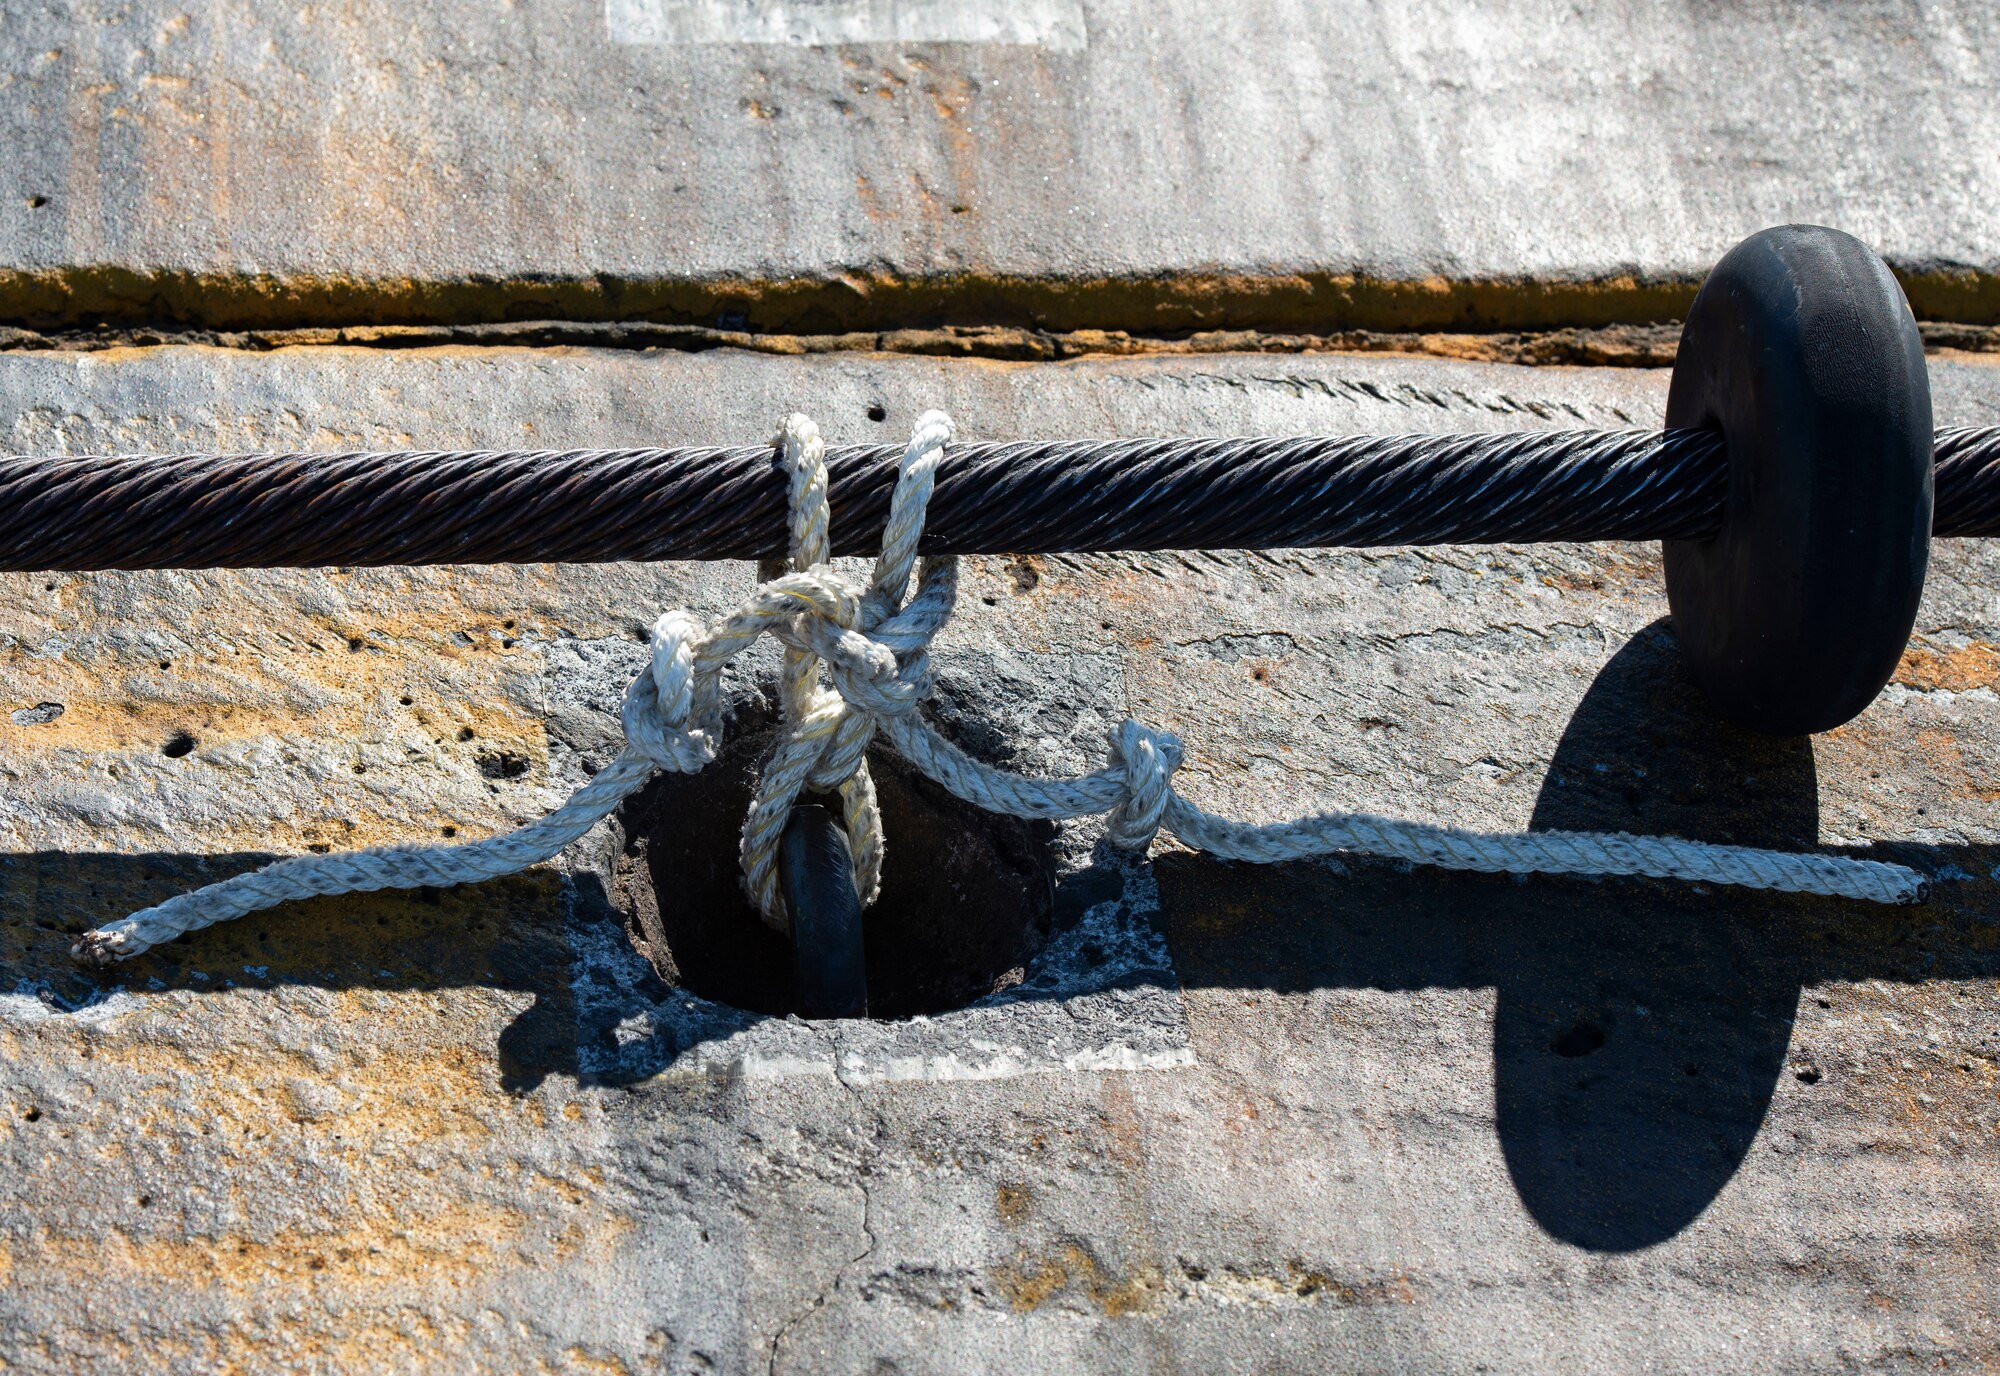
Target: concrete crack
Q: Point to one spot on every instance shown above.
(841, 1273)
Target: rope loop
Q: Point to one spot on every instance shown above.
(856, 659)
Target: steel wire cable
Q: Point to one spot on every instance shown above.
(1965, 485)
(1023, 497)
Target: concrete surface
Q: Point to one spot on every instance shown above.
(1320, 1117)
(1135, 164)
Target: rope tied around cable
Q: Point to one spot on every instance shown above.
(855, 664)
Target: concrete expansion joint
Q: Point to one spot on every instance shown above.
(1634, 344)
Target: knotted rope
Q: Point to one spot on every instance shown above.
(870, 642)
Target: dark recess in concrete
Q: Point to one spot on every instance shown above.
(967, 898)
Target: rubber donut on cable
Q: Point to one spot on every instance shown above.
(1801, 350)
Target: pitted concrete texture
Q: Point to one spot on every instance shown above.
(1326, 1116)
(1123, 164)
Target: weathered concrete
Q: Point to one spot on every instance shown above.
(1165, 164)
(1321, 1117)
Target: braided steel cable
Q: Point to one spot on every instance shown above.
(1966, 482)
(595, 506)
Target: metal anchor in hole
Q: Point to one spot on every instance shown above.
(816, 874)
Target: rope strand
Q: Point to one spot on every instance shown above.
(870, 642)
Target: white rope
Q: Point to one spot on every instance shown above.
(871, 646)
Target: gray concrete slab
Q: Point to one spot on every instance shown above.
(1117, 164)
(1328, 1116)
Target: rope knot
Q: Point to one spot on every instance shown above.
(1146, 759)
(872, 647)
(871, 674)
(659, 711)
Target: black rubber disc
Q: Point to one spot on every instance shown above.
(1802, 351)
(816, 874)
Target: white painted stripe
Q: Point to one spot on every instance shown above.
(850, 1068)
(1054, 24)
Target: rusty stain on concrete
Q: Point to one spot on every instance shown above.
(1957, 669)
(1012, 1202)
(1069, 1271)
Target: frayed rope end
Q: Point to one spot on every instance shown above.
(101, 948)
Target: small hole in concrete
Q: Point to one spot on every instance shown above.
(1581, 1039)
(967, 898)
(1808, 1075)
(878, 412)
(178, 744)
(37, 202)
(503, 764)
